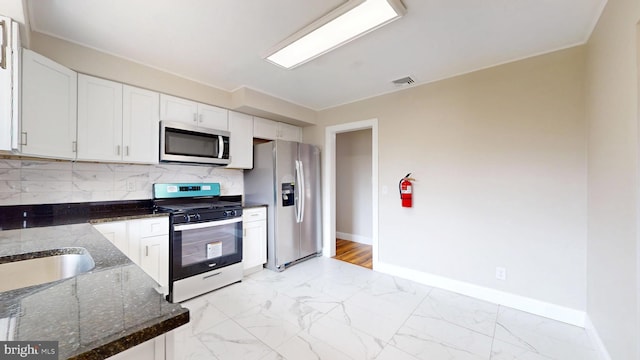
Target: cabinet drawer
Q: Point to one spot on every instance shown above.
(152, 227)
(254, 214)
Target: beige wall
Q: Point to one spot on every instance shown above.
(353, 185)
(93, 62)
(612, 113)
(500, 161)
(110, 67)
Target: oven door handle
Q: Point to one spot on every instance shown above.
(206, 224)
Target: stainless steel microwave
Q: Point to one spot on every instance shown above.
(185, 143)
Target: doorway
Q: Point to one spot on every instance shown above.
(330, 188)
(353, 197)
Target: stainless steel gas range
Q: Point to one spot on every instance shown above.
(205, 237)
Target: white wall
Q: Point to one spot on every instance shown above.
(500, 161)
(46, 181)
(353, 186)
(612, 113)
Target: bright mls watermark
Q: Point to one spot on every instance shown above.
(32, 350)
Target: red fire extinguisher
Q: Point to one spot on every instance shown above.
(406, 190)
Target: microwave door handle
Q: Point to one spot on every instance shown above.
(220, 146)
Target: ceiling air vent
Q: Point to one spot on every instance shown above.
(405, 81)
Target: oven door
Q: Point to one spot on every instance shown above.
(200, 247)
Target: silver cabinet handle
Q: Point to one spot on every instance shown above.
(23, 141)
(74, 146)
(126, 150)
(200, 117)
(146, 250)
(195, 117)
(117, 149)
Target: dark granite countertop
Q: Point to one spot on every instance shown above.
(93, 315)
(249, 205)
(28, 216)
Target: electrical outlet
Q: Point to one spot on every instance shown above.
(131, 185)
(501, 273)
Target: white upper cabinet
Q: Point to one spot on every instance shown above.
(176, 109)
(213, 117)
(140, 125)
(290, 132)
(99, 119)
(190, 112)
(241, 129)
(116, 122)
(49, 96)
(273, 130)
(10, 85)
(265, 129)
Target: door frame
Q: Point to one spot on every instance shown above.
(329, 185)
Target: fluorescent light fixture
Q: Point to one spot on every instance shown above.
(347, 22)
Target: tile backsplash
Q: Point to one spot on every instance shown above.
(24, 182)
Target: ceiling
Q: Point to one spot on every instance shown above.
(221, 42)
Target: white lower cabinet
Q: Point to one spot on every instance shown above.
(153, 349)
(154, 258)
(254, 240)
(116, 232)
(144, 241)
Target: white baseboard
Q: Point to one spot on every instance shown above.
(355, 238)
(533, 306)
(596, 340)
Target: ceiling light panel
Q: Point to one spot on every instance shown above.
(346, 23)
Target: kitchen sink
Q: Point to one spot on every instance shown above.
(43, 267)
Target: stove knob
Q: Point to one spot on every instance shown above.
(187, 218)
(198, 216)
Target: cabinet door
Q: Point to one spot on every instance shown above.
(149, 350)
(254, 240)
(176, 109)
(154, 228)
(289, 132)
(154, 258)
(241, 129)
(140, 125)
(9, 83)
(99, 119)
(254, 244)
(265, 129)
(212, 117)
(49, 97)
(117, 233)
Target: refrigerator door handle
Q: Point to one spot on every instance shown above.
(302, 190)
(298, 197)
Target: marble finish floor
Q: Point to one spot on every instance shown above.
(328, 309)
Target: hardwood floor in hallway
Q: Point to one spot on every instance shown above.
(354, 253)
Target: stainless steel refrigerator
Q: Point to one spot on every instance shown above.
(286, 177)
